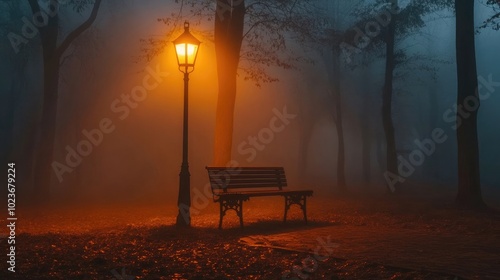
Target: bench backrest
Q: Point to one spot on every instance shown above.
(224, 179)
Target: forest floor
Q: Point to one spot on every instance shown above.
(353, 237)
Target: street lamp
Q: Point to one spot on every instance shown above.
(186, 49)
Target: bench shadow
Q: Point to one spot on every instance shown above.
(166, 232)
(265, 227)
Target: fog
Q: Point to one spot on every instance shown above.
(136, 154)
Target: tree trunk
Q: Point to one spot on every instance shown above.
(11, 146)
(392, 165)
(341, 185)
(366, 140)
(341, 147)
(365, 128)
(228, 33)
(51, 60)
(47, 127)
(337, 99)
(469, 186)
(45, 149)
(8, 112)
(432, 166)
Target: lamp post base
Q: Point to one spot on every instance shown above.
(184, 200)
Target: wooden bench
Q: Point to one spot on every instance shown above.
(233, 185)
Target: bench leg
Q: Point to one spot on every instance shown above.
(240, 214)
(304, 209)
(222, 213)
(298, 199)
(231, 204)
(287, 206)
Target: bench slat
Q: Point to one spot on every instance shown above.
(272, 171)
(247, 180)
(265, 193)
(246, 170)
(243, 175)
(247, 173)
(229, 180)
(247, 186)
(229, 169)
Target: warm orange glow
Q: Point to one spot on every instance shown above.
(181, 53)
(186, 49)
(190, 49)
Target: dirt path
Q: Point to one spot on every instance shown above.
(471, 257)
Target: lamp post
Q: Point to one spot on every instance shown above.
(186, 50)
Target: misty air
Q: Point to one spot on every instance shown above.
(244, 139)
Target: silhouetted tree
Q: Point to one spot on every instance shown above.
(14, 111)
(469, 186)
(390, 64)
(228, 35)
(336, 78)
(52, 52)
(11, 97)
(394, 25)
(366, 130)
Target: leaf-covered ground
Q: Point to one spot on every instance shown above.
(139, 240)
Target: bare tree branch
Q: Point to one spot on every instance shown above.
(35, 7)
(79, 30)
